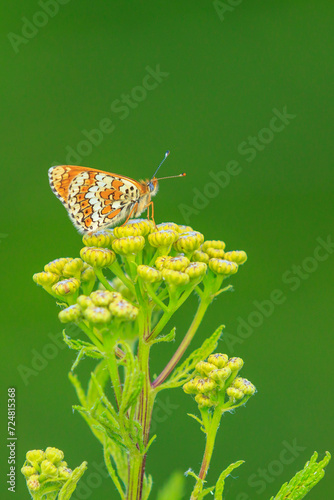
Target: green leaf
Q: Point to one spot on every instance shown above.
(170, 337)
(304, 480)
(84, 348)
(221, 480)
(184, 372)
(70, 485)
(147, 486)
(174, 488)
(133, 380)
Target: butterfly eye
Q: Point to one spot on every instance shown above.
(150, 185)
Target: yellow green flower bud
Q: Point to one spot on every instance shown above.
(99, 239)
(185, 229)
(56, 266)
(88, 275)
(178, 263)
(97, 257)
(28, 470)
(71, 314)
(164, 238)
(203, 401)
(48, 470)
(219, 375)
(97, 315)
(129, 245)
(215, 253)
(175, 277)
(234, 393)
(123, 310)
(35, 457)
(66, 287)
(225, 267)
(149, 274)
(244, 385)
(189, 242)
(123, 290)
(54, 455)
(73, 268)
(191, 386)
(168, 226)
(196, 269)
(134, 227)
(218, 359)
(161, 261)
(102, 298)
(64, 472)
(217, 244)
(83, 301)
(237, 256)
(206, 385)
(204, 368)
(235, 364)
(199, 256)
(45, 278)
(33, 483)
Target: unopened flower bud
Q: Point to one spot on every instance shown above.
(149, 274)
(35, 457)
(204, 368)
(203, 401)
(83, 301)
(33, 483)
(237, 256)
(56, 266)
(45, 278)
(102, 298)
(28, 470)
(219, 375)
(191, 386)
(196, 269)
(97, 315)
(73, 268)
(88, 275)
(129, 245)
(179, 263)
(161, 261)
(164, 238)
(218, 359)
(134, 227)
(70, 315)
(175, 277)
(185, 229)
(123, 310)
(206, 385)
(64, 472)
(244, 385)
(97, 257)
(189, 242)
(225, 267)
(215, 253)
(66, 287)
(168, 226)
(199, 256)
(235, 364)
(48, 470)
(99, 239)
(54, 455)
(217, 244)
(234, 393)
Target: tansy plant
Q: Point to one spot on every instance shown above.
(122, 293)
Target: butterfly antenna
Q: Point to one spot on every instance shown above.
(164, 158)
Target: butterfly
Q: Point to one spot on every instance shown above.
(95, 199)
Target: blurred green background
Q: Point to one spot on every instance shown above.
(223, 74)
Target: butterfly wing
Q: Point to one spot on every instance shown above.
(94, 199)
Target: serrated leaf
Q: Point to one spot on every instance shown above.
(174, 488)
(70, 485)
(170, 337)
(221, 480)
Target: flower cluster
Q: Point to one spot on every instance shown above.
(217, 378)
(46, 472)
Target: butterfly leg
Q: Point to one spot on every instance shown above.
(151, 204)
(134, 208)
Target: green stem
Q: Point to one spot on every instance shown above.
(110, 345)
(204, 304)
(210, 443)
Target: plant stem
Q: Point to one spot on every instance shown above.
(204, 304)
(210, 442)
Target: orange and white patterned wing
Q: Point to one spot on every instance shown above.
(94, 199)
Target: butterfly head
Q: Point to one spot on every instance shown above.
(153, 186)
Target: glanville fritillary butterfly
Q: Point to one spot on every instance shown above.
(95, 199)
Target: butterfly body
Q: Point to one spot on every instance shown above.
(95, 199)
